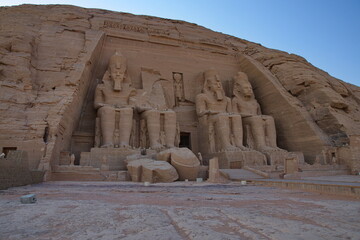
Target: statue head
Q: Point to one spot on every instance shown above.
(117, 69)
(242, 86)
(177, 77)
(213, 84)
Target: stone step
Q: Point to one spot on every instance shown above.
(90, 176)
(241, 174)
(315, 173)
(328, 187)
(308, 167)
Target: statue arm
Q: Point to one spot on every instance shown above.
(99, 101)
(229, 106)
(142, 108)
(258, 109)
(201, 105)
(234, 105)
(131, 99)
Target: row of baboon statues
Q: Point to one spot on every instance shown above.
(221, 117)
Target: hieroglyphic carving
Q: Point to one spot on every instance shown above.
(134, 28)
(178, 88)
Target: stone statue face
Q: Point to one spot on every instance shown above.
(177, 77)
(242, 85)
(117, 68)
(247, 90)
(213, 83)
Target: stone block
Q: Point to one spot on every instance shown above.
(148, 170)
(277, 157)
(115, 157)
(291, 165)
(26, 199)
(184, 160)
(203, 172)
(238, 159)
(135, 169)
(215, 175)
(150, 154)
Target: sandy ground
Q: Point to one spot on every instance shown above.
(106, 210)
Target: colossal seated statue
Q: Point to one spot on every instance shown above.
(215, 112)
(159, 121)
(262, 127)
(112, 104)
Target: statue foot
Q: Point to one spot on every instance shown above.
(108, 145)
(170, 145)
(157, 147)
(268, 149)
(124, 145)
(232, 148)
(243, 148)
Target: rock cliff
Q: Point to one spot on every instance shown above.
(51, 56)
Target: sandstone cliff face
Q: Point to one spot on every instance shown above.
(51, 57)
(332, 104)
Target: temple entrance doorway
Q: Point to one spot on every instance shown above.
(185, 140)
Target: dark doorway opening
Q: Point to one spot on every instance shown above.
(6, 150)
(185, 140)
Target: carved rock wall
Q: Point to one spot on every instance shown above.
(52, 57)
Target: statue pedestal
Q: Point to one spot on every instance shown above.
(114, 157)
(238, 159)
(278, 157)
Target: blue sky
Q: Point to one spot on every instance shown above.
(325, 32)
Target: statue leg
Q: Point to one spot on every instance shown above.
(270, 131)
(258, 130)
(107, 123)
(222, 130)
(153, 125)
(237, 129)
(170, 128)
(126, 122)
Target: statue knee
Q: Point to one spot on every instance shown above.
(223, 118)
(126, 111)
(237, 119)
(269, 119)
(170, 115)
(106, 108)
(150, 114)
(257, 120)
(106, 111)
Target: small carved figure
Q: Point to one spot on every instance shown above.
(214, 109)
(112, 98)
(262, 127)
(72, 160)
(178, 88)
(200, 158)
